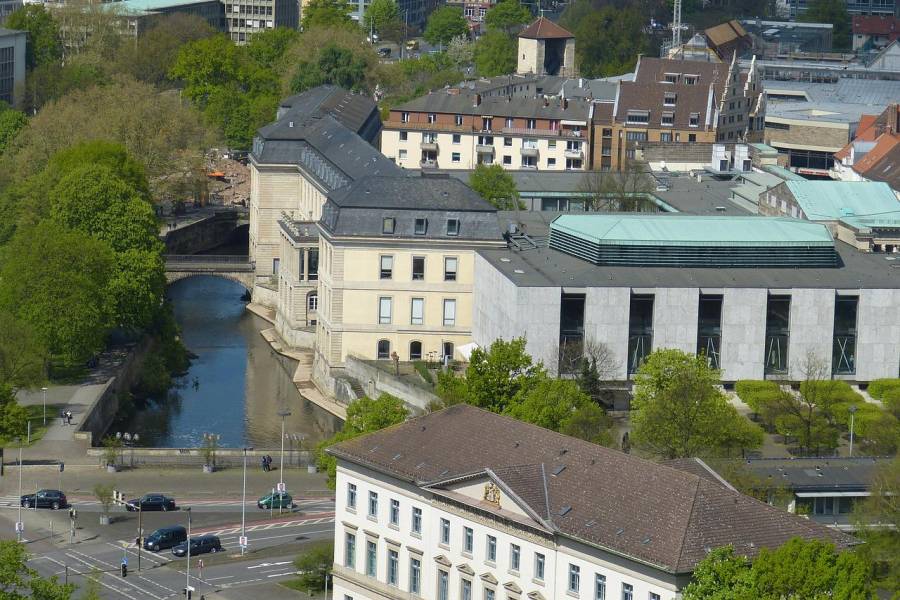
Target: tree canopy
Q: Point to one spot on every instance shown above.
(444, 24)
(679, 412)
(507, 16)
(44, 45)
(496, 185)
(11, 123)
(382, 16)
(878, 524)
(18, 581)
(495, 53)
(336, 65)
(22, 355)
(326, 13)
(607, 40)
(834, 12)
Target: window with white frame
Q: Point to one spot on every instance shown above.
(468, 540)
(416, 520)
(455, 157)
(445, 532)
(668, 119)
(387, 225)
(574, 578)
(404, 117)
(393, 571)
(669, 99)
(402, 154)
(652, 596)
(417, 311)
(457, 139)
(449, 312)
(694, 120)
(351, 495)
(627, 591)
(421, 226)
(443, 591)
(458, 119)
(385, 311)
(373, 504)
(395, 512)
(509, 121)
(539, 563)
(349, 550)
(465, 589)
(387, 267)
(514, 557)
(415, 576)
(638, 116)
(600, 587)
(531, 124)
(489, 594)
(371, 558)
(453, 227)
(491, 549)
(432, 118)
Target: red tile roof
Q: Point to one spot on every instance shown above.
(882, 162)
(877, 25)
(545, 29)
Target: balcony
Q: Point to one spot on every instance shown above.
(542, 132)
(429, 146)
(410, 126)
(576, 154)
(428, 164)
(530, 151)
(484, 149)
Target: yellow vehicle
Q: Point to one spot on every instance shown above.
(412, 45)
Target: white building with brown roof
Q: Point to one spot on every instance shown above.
(467, 504)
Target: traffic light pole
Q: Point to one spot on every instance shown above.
(140, 538)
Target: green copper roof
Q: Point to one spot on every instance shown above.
(688, 230)
(834, 200)
(142, 6)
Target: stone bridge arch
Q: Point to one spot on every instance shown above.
(247, 280)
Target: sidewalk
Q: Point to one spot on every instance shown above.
(58, 442)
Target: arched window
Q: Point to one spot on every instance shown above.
(384, 349)
(312, 305)
(415, 350)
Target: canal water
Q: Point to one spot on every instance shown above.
(236, 385)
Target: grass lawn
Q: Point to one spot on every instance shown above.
(298, 586)
(36, 417)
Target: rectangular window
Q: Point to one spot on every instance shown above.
(455, 157)
(404, 135)
(445, 532)
(421, 226)
(373, 504)
(349, 550)
(449, 313)
(418, 268)
(574, 578)
(371, 558)
(485, 140)
(507, 141)
(443, 585)
(468, 540)
(432, 117)
(600, 587)
(417, 311)
(665, 136)
(415, 576)
(351, 495)
(551, 162)
(509, 121)
(669, 99)
(416, 520)
(638, 116)
(488, 594)
(486, 124)
(384, 311)
(778, 320)
(539, 566)
(457, 138)
(671, 77)
(709, 328)
(393, 573)
(453, 227)
(387, 267)
(640, 330)
(313, 264)
(402, 155)
(636, 136)
(458, 119)
(843, 360)
(627, 591)
(507, 160)
(668, 119)
(531, 124)
(404, 117)
(514, 557)
(491, 548)
(395, 512)
(275, 264)
(465, 589)
(387, 225)
(653, 596)
(692, 137)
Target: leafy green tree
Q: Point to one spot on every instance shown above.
(112, 155)
(549, 403)
(56, 282)
(267, 47)
(22, 356)
(381, 15)
(18, 581)
(44, 46)
(678, 411)
(11, 123)
(326, 13)
(13, 416)
(878, 524)
(364, 415)
(460, 51)
(444, 24)
(590, 423)
(607, 40)
(834, 12)
(507, 16)
(722, 575)
(205, 65)
(335, 65)
(314, 566)
(496, 185)
(496, 376)
(137, 287)
(495, 53)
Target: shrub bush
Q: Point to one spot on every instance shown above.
(749, 390)
(422, 370)
(879, 387)
(891, 401)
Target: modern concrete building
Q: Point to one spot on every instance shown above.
(139, 14)
(396, 269)
(864, 214)
(12, 65)
(246, 17)
(321, 140)
(854, 7)
(756, 295)
(774, 39)
(464, 503)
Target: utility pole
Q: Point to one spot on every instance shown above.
(187, 570)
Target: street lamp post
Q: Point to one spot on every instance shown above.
(852, 414)
(44, 390)
(187, 570)
(19, 521)
(244, 501)
(282, 414)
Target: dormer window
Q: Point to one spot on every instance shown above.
(669, 99)
(695, 120)
(432, 118)
(691, 79)
(668, 119)
(532, 124)
(404, 117)
(671, 77)
(453, 227)
(387, 225)
(421, 226)
(638, 116)
(459, 120)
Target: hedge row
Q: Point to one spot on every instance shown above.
(879, 387)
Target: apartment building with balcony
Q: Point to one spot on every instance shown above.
(672, 101)
(396, 268)
(463, 503)
(459, 129)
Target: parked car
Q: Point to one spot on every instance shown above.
(165, 537)
(276, 500)
(384, 52)
(54, 499)
(199, 545)
(151, 502)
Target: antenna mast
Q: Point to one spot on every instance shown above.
(676, 25)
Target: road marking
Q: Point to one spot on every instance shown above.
(99, 580)
(283, 574)
(218, 578)
(145, 555)
(86, 561)
(267, 564)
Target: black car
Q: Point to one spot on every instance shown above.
(165, 537)
(199, 545)
(54, 499)
(151, 502)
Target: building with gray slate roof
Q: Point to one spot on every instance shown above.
(464, 499)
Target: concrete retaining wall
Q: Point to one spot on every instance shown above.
(204, 234)
(375, 381)
(193, 457)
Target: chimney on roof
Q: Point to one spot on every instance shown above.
(476, 101)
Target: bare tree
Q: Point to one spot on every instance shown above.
(618, 191)
(594, 365)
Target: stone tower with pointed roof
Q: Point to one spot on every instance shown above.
(545, 48)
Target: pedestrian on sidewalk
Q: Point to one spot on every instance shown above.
(268, 462)
(68, 417)
(264, 463)
(62, 417)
